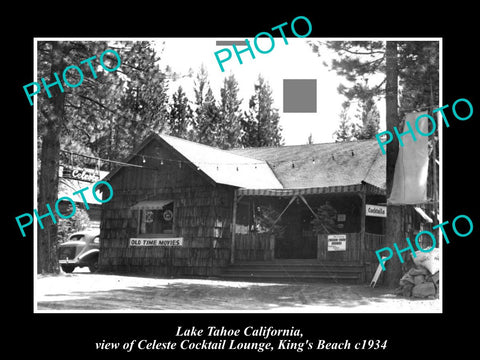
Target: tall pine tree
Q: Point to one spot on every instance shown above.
(346, 127)
(260, 126)
(413, 65)
(369, 119)
(59, 117)
(94, 118)
(144, 104)
(207, 119)
(180, 119)
(230, 113)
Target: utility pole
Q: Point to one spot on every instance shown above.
(395, 215)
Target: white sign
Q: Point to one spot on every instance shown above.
(376, 210)
(82, 174)
(337, 242)
(166, 242)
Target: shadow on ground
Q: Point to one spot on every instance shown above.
(181, 295)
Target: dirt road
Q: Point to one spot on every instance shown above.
(82, 291)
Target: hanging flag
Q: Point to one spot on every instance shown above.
(411, 169)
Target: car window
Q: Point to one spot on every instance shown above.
(96, 240)
(78, 237)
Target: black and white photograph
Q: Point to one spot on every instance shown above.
(277, 189)
(257, 188)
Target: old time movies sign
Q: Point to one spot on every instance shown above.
(165, 242)
(337, 242)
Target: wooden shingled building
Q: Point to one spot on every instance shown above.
(187, 209)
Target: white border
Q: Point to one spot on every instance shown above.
(35, 177)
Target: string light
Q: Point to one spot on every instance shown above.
(71, 154)
(198, 164)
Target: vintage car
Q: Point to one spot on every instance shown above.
(81, 249)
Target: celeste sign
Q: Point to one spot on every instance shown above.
(376, 210)
(82, 174)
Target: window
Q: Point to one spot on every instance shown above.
(157, 220)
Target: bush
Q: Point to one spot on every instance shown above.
(79, 221)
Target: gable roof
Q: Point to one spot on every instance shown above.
(324, 165)
(283, 167)
(221, 166)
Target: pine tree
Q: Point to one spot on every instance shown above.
(345, 127)
(413, 66)
(260, 126)
(418, 70)
(207, 119)
(144, 103)
(370, 119)
(111, 115)
(94, 118)
(230, 113)
(180, 119)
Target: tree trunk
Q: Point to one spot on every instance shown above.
(49, 164)
(394, 221)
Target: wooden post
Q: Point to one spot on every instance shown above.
(234, 225)
(394, 221)
(363, 214)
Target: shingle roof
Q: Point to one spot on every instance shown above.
(284, 167)
(324, 165)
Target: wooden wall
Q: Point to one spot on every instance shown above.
(373, 242)
(198, 206)
(254, 247)
(353, 252)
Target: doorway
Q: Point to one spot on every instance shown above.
(296, 241)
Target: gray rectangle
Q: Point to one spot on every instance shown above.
(299, 95)
(231, 42)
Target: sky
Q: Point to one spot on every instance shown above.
(294, 60)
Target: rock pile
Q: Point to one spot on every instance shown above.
(421, 280)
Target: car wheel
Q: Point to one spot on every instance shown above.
(93, 267)
(68, 268)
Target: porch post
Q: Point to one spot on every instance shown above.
(234, 225)
(363, 215)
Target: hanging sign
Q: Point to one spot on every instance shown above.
(376, 210)
(81, 174)
(337, 242)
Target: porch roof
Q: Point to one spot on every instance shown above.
(312, 191)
